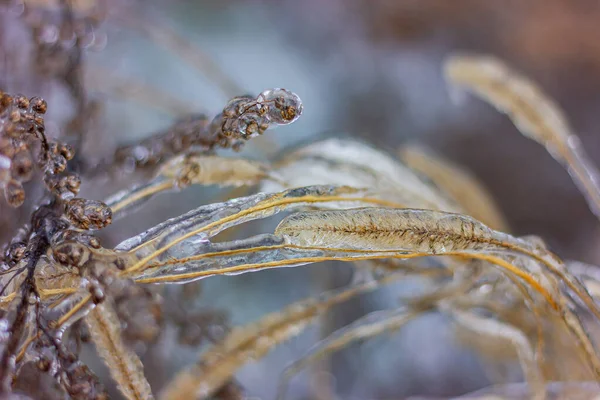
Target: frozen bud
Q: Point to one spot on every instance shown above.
(94, 243)
(281, 106)
(38, 105)
(14, 193)
(57, 164)
(245, 126)
(88, 214)
(22, 102)
(51, 181)
(53, 148)
(238, 106)
(39, 120)
(66, 151)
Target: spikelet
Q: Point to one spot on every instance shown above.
(125, 366)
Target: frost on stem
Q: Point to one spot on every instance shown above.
(189, 233)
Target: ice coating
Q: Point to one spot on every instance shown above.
(280, 106)
(245, 117)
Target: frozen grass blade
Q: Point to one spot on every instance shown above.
(186, 170)
(373, 324)
(251, 342)
(533, 113)
(496, 330)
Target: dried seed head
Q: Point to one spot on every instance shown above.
(245, 117)
(88, 214)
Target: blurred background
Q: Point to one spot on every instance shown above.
(368, 69)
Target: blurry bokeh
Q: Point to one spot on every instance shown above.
(369, 69)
